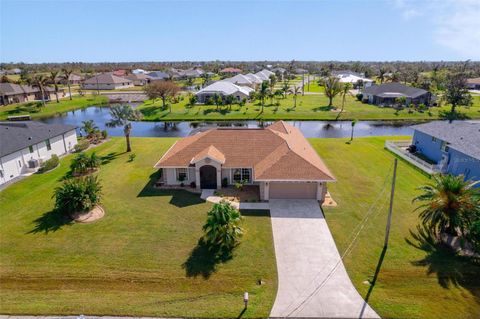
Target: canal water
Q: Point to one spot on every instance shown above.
(101, 115)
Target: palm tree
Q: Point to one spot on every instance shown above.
(229, 100)
(353, 126)
(121, 116)
(217, 99)
(381, 76)
(450, 205)
(67, 74)
(332, 88)
(296, 90)
(40, 81)
(54, 81)
(345, 90)
(263, 93)
(222, 229)
(285, 88)
(89, 127)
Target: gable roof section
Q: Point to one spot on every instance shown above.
(225, 88)
(239, 79)
(253, 78)
(461, 135)
(393, 90)
(106, 78)
(15, 136)
(278, 152)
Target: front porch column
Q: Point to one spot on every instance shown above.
(197, 177)
(219, 178)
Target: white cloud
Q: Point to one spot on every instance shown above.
(455, 23)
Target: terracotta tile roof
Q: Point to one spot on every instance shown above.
(277, 152)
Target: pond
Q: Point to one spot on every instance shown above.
(101, 115)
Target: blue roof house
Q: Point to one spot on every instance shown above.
(453, 147)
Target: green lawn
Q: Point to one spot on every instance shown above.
(140, 259)
(130, 262)
(412, 282)
(314, 87)
(52, 108)
(309, 107)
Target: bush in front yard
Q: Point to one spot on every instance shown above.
(82, 145)
(83, 164)
(222, 229)
(77, 195)
(49, 164)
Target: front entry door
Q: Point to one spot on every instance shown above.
(208, 177)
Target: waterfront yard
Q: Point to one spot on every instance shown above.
(309, 107)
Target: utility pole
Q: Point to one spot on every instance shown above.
(303, 83)
(389, 220)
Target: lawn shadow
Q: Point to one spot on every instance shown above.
(204, 259)
(452, 116)
(180, 198)
(373, 281)
(105, 159)
(221, 111)
(50, 222)
(150, 110)
(450, 268)
(323, 108)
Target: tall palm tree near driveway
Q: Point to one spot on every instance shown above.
(54, 80)
(67, 74)
(450, 204)
(121, 116)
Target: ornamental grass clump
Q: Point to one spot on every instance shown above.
(77, 195)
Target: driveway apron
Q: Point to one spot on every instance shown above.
(312, 280)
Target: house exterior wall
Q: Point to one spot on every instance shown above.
(460, 163)
(107, 86)
(16, 164)
(170, 176)
(431, 148)
(203, 97)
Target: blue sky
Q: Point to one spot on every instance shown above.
(366, 30)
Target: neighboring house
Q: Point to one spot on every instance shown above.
(473, 84)
(301, 71)
(254, 78)
(386, 94)
(223, 88)
(139, 79)
(356, 81)
(120, 72)
(230, 71)
(106, 81)
(24, 145)
(139, 71)
(241, 80)
(190, 73)
(74, 79)
(277, 158)
(264, 75)
(15, 93)
(158, 75)
(453, 147)
(343, 73)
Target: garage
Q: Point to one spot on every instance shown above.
(291, 190)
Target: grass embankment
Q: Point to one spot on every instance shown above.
(141, 259)
(52, 108)
(412, 282)
(309, 107)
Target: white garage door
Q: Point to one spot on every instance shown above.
(284, 190)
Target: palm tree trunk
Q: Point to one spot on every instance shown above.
(69, 90)
(42, 92)
(56, 93)
(351, 137)
(127, 138)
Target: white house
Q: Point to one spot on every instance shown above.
(224, 88)
(241, 80)
(106, 81)
(254, 78)
(24, 145)
(355, 80)
(264, 75)
(139, 71)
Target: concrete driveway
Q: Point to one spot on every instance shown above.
(312, 280)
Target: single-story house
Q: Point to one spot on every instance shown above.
(241, 80)
(301, 71)
(106, 81)
(120, 73)
(74, 79)
(473, 84)
(277, 158)
(139, 79)
(224, 88)
(190, 73)
(26, 144)
(16, 93)
(158, 75)
(386, 94)
(139, 71)
(454, 147)
(340, 73)
(254, 78)
(264, 75)
(230, 71)
(356, 81)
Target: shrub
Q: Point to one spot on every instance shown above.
(359, 96)
(222, 229)
(193, 185)
(83, 164)
(131, 157)
(49, 164)
(474, 234)
(77, 195)
(224, 182)
(82, 145)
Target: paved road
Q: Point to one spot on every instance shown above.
(312, 280)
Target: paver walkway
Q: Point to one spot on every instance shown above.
(312, 280)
